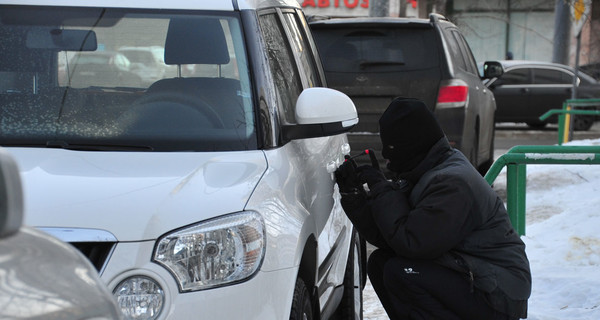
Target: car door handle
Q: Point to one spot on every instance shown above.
(524, 90)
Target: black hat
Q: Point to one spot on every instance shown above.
(408, 130)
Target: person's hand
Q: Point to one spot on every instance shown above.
(371, 176)
(347, 177)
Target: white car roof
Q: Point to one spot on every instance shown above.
(227, 5)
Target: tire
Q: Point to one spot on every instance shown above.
(301, 303)
(582, 123)
(484, 167)
(537, 125)
(351, 306)
(474, 152)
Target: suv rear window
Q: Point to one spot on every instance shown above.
(376, 49)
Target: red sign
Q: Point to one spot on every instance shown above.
(335, 3)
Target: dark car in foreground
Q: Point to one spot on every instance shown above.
(374, 60)
(525, 90)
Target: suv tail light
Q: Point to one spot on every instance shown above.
(452, 94)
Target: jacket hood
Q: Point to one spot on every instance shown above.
(134, 195)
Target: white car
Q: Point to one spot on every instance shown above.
(209, 194)
(42, 277)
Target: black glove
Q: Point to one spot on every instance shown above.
(370, 175)
(347, 177)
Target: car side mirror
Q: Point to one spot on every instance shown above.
(11, 195)
(322, 112)
(492, 69)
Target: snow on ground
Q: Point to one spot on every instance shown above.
(562, 238)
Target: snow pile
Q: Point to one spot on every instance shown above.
(563, 240)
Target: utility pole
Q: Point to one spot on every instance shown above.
(562, 32)
(379, 8)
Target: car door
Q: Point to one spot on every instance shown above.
(481, 101)
(328, 215)
(512, 92)
(551, 87)
(307, 164)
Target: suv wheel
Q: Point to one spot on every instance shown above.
(301, 304)
(473, 154)
(351, 306)
(483, 169)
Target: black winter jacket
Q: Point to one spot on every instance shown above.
(448, 213)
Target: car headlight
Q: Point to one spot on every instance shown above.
(217, 252)
(139, 297)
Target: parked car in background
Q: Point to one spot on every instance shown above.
(209, 194)
(528, 89)
(148, 63)
(42, 277)
(101, 69)
(375, 60)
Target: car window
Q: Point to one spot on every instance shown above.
(455, 52)
(301, 46)
(467, 55)
(551, 76)
(64, 82)
(514, 77)
(283, 66)
(366, 50)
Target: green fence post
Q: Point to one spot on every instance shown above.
(516, 160)
(516, 176)
(561, 128)
(522, 186)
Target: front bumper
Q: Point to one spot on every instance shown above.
(267, 295)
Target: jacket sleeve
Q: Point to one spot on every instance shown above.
(437, 222)
(359, 212)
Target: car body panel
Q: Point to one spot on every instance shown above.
(45, 278)
(156, 192)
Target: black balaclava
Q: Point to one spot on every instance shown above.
(408, 130)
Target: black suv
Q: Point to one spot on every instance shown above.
(374, 60)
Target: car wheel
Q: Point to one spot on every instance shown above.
(582, 123)
(483, 169)
(473, 154)
(301, 304)
(351, 306)
(537, 125)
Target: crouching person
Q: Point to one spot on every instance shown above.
(446, 247)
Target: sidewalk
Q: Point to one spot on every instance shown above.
(372, 308)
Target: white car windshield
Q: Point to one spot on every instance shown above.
(121, 79)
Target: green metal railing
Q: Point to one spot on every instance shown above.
(564, 118)
(516, 160)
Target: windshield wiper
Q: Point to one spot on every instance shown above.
(365, 64)
(96, 147)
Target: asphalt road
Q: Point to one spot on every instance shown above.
(509, 135)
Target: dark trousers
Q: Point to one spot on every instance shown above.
(422, 289)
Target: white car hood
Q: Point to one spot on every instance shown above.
(134, 195)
